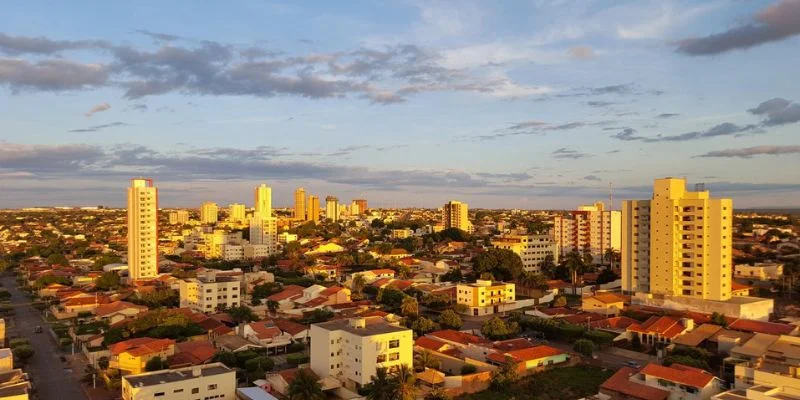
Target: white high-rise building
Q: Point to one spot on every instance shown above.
(142, 229)
(263, 226)
(591, 229)
(178, 217)
(455, 214)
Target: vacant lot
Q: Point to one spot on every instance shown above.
(557, 384)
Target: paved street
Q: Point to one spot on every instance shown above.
(51, 379)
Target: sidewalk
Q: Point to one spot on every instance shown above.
(77, 364)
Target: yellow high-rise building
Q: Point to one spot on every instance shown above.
(331, 209)
(678, 243)
(236, 212)
(263, 205)
(142, 229)
(313, 209)
(300, 204)
(455, 214)
(209, 212)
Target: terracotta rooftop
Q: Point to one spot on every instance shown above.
(288, 326)
(458, 337)
(679, 373)
(141, 346)
(771, 328)
(608, 298)
(287, 293)
(620, 383)
(529, 354)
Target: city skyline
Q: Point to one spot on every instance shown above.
(538, 105)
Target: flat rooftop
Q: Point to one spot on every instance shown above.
(373, 326)
(176, 375)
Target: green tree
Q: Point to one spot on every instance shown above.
(409, 307)
(23, 352)
(584, 347)
(719, 319)
(155, 364)
(57, 259)
(438, 393)
(226, 357)
(242, 314)
(497, 329)
(450, 320)
(468, 369)
(504, 264)
(406, 389)
(423, 325)
(533, 280)
(357, 287)
(273, 305)
(108, 281)
(391, 298)
(574, 263)
(382, 386)
(505, 376)
(305, 387)
(426, 359)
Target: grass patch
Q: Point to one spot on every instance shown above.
(556, 384)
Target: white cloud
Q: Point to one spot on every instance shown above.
(659, 21)
(96, 109)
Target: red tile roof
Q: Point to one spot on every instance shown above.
(331, 290)
(620, 383)
(512, 344)
(193, 352)
(141, 346)
(289, 374)
(265, 329)
(679, 373)
(529, 354)
(458, 337)
(430, 343)
(613, 323)
(383, 271)
(287, 293)
(117, 306)
(771, 328)
(290, 327)
(665, 326)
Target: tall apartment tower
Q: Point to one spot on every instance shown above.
(300, 204)
(313, 209)
(209, 212)
(263, 226)
(142, 229)
(455, 215)
(263, 204)
(236, 212)
(355, 208)
(178, 217)
(678, 243)
(331, 209)
(591, 229)
(362, 205)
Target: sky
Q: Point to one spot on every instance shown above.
(513, 104)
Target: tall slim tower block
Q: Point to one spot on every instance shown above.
(236, 212)
(313, 209)
(362, 205)
(209, 212)
(300, 204)
(142, 229)
(455, 214)
(678, 243)
(263, 204)
(331, 209)
(263, 226)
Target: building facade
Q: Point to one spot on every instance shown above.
(209, 212)
(485, 297)
(142, 230)
(210, 293)
(678, 243)
(362, 205)
(352, 350)
(263, 226)
(591, 229)
(209, 381)
(313, 209)
(237, 213)
(532, 249)
(331, 209)
(300, 204)
(455, 214)
(178, 217)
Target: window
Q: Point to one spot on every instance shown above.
(212, 387)
(381, 358)
(394, 356)
(158, 394)
(393, 344)
(177, 391)
(195, 390)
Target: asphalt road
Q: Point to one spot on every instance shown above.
(51, 379)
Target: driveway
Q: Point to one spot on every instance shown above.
(51, 376)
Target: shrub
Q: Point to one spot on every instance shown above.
(295, 347)
(584, 347)
(16, 342)
(64, 341)
(296, 359)
(23, 352)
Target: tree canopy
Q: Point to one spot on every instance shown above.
(503, 264)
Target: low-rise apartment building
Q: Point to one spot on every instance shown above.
(760, 271)
(352, 350)
(210, 293)
(210, 381)
(485, 297)
(532, 249)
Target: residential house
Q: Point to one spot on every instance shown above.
(657, 330)
(117, 311)
(210, 381)
(130, 356)
(268, 335)
(603, 303)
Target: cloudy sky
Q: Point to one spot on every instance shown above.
(528, 104)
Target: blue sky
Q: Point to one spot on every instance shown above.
(529, 104)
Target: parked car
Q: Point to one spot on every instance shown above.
(633, 364)
(38, 329)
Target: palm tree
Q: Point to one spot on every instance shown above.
(406, 389)
(425, 359)
(384, 386)
(533, 280)
(548, 266)
(611, 256)
(574, 263)
(305, 387)
(409, 307)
